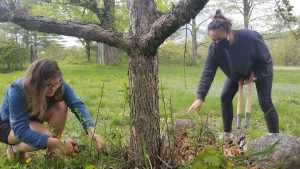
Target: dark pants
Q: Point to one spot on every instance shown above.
(264, 90)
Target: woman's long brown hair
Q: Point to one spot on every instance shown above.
(35, 85)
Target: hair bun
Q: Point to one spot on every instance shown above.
(219, 15)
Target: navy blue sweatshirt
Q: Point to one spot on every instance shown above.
(246, 54)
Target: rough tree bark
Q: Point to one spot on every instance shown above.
(148, 30)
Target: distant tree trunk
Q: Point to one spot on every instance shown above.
(194, 42)
(247, 8)
(100, 53)
(111, 56)
(27, 39)
(31, 53)
(33, 47)
(88, 50)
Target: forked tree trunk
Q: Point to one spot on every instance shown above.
(143, 82)
(148, 30)
(145, 132)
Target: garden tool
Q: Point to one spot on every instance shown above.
(242, 132)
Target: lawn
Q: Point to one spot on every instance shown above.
(113, 117)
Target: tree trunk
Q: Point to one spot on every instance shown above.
(143, 82)
(110, 55)
(31, 53)
(100, 53)
(33, 47)
(27, 39)
(145, 132)
(194, 42)
(247, 8)
(88, 50)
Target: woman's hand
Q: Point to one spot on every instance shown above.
(67, 146)
(96, 138)
(196, 105)
(249, 80)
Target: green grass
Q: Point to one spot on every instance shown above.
(86, 81)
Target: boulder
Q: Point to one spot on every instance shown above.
(275, 150)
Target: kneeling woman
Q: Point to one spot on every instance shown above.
(41, 96)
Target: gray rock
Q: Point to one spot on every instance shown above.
(276, 150)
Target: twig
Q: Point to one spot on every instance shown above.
(184, 56)
(97, 116)
(164, 162)
(166, 116)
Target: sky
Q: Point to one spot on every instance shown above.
(296, 4)
(70, 41)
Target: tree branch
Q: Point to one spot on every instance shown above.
(186, 29)
(237, 6)
(168, 23)
(203, 44)
(203, 22)
(48, 25)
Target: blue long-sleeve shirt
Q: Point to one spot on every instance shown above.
(14, 110)
(248, 53)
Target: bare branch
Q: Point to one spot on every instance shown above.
(203, 43)
(237, 6)
(48, 25)
(168, 23)
(186, 29)
(253, 7)
(203, 22)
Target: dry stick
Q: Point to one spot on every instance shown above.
(184, 56)
(200, 131)
(164, 162)
(172, 124)
(97, 116)
(166, 116)
(206, 126)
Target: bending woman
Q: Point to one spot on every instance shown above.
(243, 56)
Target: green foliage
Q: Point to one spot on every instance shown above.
(163, 5)
(122, 16)
(210, 158)
(60, 9)
(12, 57)
(284, 49)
